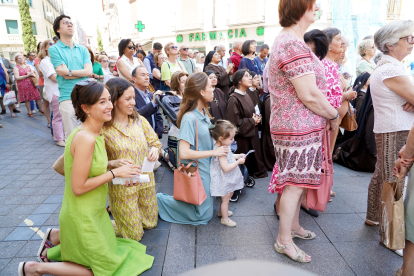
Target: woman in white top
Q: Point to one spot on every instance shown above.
(393, 100)
(127, 62)
(52, 91)
(200, 61)
(366, 49)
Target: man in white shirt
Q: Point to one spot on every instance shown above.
(221, 49)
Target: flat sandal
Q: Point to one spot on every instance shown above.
(308, 236)
(300, 257)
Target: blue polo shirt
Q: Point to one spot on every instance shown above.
(74, 59)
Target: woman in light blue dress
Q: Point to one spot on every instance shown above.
(197, 93)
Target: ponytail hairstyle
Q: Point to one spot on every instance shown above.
(192, 94)
(237, 78)
(88, 94)
(116, 88)
(222, 128)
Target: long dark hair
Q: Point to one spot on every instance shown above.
(320, 40)
(208, 59)
(116, 88)
(122, 45)
(237, 78)
(192, 93)
(85, 94)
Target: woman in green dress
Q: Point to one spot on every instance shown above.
(86, 243)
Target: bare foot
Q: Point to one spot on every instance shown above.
(30, 269)
(44, 255)
(54, 236)
(291, 250)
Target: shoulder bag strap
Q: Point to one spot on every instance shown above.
(179, 158)
(179, 64)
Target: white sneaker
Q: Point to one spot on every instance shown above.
(228, 223)
(33, 112)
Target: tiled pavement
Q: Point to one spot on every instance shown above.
(31, 194)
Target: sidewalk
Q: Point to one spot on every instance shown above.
(31, 193)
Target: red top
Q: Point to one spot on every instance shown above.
(116, 69)
(235, 58)
(41, 80)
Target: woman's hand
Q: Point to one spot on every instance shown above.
(153, 154)
(221, 151)
(256, 119)
(400, 170)
(119, 163)
(230, 68)
(127, 171)
(130, 183)
(350, 95)
(408, 107)
(332, 124)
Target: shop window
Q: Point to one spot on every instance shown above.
(12, 27)
(30, 3)
(34, 28)
(44, 12)
(189, 16)
(7, 1)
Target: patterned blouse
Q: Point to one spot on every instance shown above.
(333, 79)
(132, 142)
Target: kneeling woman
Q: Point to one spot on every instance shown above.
(86, 244)
(129, 138)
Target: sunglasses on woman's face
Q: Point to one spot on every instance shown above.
(130, 47)
(174, 47)
(51, 43)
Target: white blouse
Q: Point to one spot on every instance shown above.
(131, 66)
(388, 106)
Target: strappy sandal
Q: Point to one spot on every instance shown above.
(300, 257)
(399, 272)
(333, 194)
(45, 244)
(308, 236)
(30, 115)
(20, 269)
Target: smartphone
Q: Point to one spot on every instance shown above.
(250, 151)
(229, 60)
(357, 86)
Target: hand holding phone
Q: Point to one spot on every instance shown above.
(250, 151)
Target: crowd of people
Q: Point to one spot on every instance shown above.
(285, 102)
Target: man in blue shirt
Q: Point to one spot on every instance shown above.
(149, 62)
(72, 64)
(262, 59)
(145, 102)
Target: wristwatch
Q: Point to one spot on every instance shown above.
(70, 73)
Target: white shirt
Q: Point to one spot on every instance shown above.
(47, 69)
(201, 66)
(388, 106)
(239, 91)
(107, 75)
(129, 65)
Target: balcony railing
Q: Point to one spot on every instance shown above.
(55, 5)
(11, 39)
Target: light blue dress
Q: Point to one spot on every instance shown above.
(176, 211)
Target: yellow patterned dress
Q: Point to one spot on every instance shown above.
(136, 207)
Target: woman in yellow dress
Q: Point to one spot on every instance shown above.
(129, 137)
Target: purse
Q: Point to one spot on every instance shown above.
(34, 80)
(318, 198)
(9, 98)
(188, 186)
(349, 121)
(59, 165)
(392, 224)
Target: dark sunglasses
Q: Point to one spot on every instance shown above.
(174, 47)
(130, 47)
(51, 43)
(185, 49)
(86, 82)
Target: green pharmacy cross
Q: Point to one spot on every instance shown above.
(140, 26)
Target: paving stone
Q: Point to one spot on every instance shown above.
(338, 206)
(345, 227)
(163, 225)
(369, 258)
(12, 220)
(29, 249)
(54, 199)
(11, 268)
(155, 270)
(59, 191)
(9, 249)
(183, 253)
(46, 209)
(13, 199)
(35, 183)
(24, 209)
(158, 252)
(35, 199)
(41, 232)
(57, 211)
(52, 220)
(35, 220)
(21, 234)
(357, 202)
(181, 234)
(155, 237)
(214, 233)
(6, 209)
(4, 232)
(3, 263)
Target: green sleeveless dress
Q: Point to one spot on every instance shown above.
(87, 236)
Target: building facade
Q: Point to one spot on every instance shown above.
(43, 13)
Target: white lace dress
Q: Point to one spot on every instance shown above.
(223, 183)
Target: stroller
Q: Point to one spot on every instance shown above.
(170, 105)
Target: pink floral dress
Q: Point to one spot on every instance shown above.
(333, 81)
(26, 90)
(296, 130)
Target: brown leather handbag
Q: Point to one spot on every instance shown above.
(349, 121)
(33, 79)
(188, 186)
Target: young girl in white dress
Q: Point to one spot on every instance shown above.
(225, 174)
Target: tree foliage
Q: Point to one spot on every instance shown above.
(29, 40)
(99, 38)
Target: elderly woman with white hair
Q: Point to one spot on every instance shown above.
(393, 100)
(366, 49)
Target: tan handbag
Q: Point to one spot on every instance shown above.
(392, 224)
(59, 165)
(34, 80)
(188, 186)
(349, 121)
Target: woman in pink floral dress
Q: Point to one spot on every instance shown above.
(299, 114)
(27, 92)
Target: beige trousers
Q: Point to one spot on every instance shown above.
(68, 117)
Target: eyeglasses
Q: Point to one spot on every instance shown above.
(410, 38)
(185, 49)
(104, 60)
(247, 75)
(86, 82)
(130, 47)
(174, 47)
(51, 43)
(69, 23)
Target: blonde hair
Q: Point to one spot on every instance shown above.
(364, 45)
(199, 57)
(43, 52)
(15, 57)
(156, 57)
(102, 57)
(222, 128)
(167, 47)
